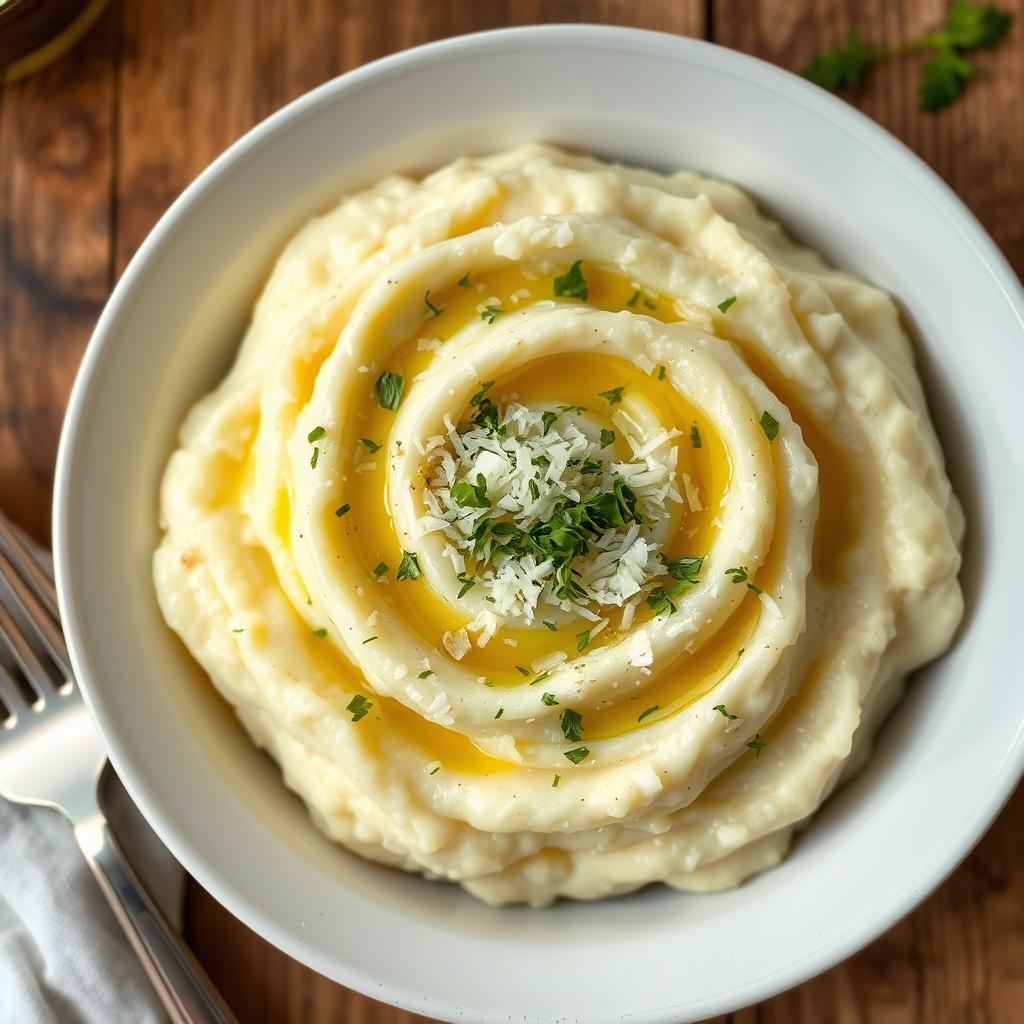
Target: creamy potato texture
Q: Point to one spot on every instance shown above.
(561, 527)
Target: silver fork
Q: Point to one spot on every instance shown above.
(40, 704)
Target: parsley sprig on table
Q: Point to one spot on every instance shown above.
(968, 26)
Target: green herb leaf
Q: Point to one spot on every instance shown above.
(470, 495)
(432, 310)
(943, 79)
(426, 673)
(550, 625)
(534, 489)
(756, 745)
(463, 282)
(843, 67)
(359, 707)
(549, 699)
(389, 389)
(649, 711)
(972, 26)
(613, 395)
(739, 574)
(485, 386)
(339, 512)
(633, 298)
(572, 725)
(770, 425)
(720, 708)
(577, 755)
(409, 567)
(490, 314)
(467, 584)
(314, 458)
(548, 419)
(661, 373)
(660, 602)
(540, 678)
(315, 434)
(369, 445)
(381, 568)
(370, 639)
(607, 437)
(694, 437)
(501, 711)
(591, 466)
(321, 633)
(557, 780)
(726, 304)
(572, 283)
(582, 639)
(522, 671)
(436, 770)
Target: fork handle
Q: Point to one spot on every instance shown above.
(183, 987)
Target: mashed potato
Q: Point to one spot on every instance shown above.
(561, 527)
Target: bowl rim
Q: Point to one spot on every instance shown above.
(590, 36)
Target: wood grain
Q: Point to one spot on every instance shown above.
(93, 150)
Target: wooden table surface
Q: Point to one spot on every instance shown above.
(95, 148)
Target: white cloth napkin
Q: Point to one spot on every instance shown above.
(63, 956)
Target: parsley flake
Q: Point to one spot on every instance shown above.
(380, 569)
(522, 671)
(339, 512)
(389, 389)
(370, 639)
(607, 437)
(695, 441)
(321, 632)
(739, 574)
(726, 304)
(490, 314)
(756, 745)
(556, 781)
(721, 709)
(436, 770)
(409, 567)
(359, 706)
(463, 282)
(582, 639)
(613, 395)
(485, 386)
(550, 625)
(548, 419)
(314, 458)
(467, 584)
(572, 725)
(649, 711)
(432, 310)
(501, 711)
(770, 425)
(661, 373)
(572, 283)
(577, 755)
(426, 673)
(370, 446)
(549, 699)
(631, 301)
(315, 434)
(540, 678)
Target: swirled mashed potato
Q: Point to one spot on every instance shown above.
(561, 527)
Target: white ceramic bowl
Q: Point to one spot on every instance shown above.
(945, 763)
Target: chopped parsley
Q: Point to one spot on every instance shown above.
(463, 282)
(770, 425)
(607, 437)
(321, 632)
(582, 639)
(721, 709)
(314, 458)
(572, 283)
(631, 301)
(695, 441)
(359, 706)
(339, 512)
(315, 434)
(685, 572)
(370, 446)
(649, 711)
(592, 466)
(436, 770)
(467, 584)
(426, 673)
(756, 745)
(726, 304)
(381, 568)
(409, 567)
(485, 386)
(660, 602)
(738, 574)
(501, 711)
(613, 395)
(522, 671)
(389, 389)
(550, 625)
(549, 700)
(548, 419)
(237, 630)
(661, 373)
(470, 495)
(534, 489)
(540, 678)
(577, 755)
(432, 310)
(490, 314)
(370, 639)
(557, 780)
(572, 725)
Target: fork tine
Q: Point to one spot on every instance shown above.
(19, 646)
(12, 699)
(28, 567)
(17, 572)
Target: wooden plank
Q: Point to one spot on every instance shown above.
(55, 177)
